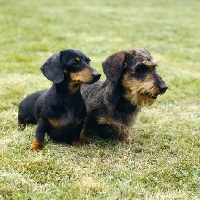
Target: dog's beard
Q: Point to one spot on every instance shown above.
(144, 100)
(140, 93)
(139, 99)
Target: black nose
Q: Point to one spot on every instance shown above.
(163, 88)
(96, 76)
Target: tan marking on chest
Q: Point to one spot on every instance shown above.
(59, 123)
(74, 86)
(115, 123)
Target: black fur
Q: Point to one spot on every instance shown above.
(59, 111)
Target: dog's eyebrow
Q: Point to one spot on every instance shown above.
(77, 59)
(87, 58)
(152, 63)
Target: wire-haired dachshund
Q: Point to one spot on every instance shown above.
(59, 111)
(112, 106)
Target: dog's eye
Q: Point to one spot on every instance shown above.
(76, 61)
(141, 69)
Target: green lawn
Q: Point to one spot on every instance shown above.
(163, 162)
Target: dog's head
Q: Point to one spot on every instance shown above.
(69, 65)
(136, 70)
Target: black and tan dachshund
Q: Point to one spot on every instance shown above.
(59, 111)
(112, 106)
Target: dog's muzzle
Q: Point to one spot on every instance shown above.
(96, 76)
(162, 88)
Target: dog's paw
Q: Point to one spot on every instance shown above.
(128, 140)
(21, 127)
(81, 142)
(36, 145)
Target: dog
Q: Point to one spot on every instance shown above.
(59, 111)
(113, 105)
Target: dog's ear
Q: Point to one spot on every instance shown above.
(113, 65)
(52, 69)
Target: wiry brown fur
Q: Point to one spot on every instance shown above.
(112, 106)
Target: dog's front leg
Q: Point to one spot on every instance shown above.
(125, 136)
(40, 133)
(83, 139)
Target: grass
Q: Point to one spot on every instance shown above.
(163, 162)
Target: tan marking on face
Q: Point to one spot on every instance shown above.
(123, 131)
(84, 76)
(144, 100)
(77, 59)
(152, 63)
(136, 91)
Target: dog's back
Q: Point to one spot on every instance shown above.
(27, 109)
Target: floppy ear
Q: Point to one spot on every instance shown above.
(113, 65)
(52, 69)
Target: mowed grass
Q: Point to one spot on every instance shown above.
(163, 162)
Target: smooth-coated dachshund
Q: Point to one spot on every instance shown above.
(59, 111)
(112, 106)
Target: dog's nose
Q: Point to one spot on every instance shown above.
(96, 76)
(163, 88)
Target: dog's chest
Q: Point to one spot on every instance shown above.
(66, 119)
(119, 118)
(116, 119)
